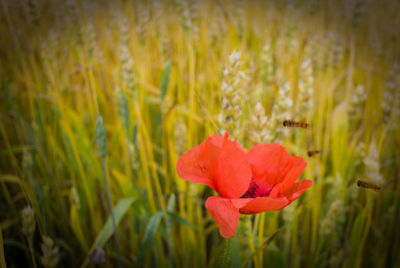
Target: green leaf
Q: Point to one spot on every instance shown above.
(168, 223)
(170, 208)
(263, 246)
(149, 233)
(119, 211)
(165, 80)
(171, 203)
(101, 136)
(152, 227)
(177, 218)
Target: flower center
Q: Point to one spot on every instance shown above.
(254, 191)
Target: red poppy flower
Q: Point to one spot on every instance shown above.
(260, 180)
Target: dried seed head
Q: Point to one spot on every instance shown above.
(372, 164)
(258, 126)
(391, 96)
(329, 222)
(49, 256)
(306, 89)
(74, 198)
(127, 62)
(28, 221)
(232, 88)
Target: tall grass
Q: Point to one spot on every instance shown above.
(155, 70)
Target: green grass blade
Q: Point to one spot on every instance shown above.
(263, 246)
(165, 80)
(179, 219)
(149, 234)
(119, 211)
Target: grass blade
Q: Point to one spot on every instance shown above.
(165, 80)
(2, 257)
(149, 234)
(258, 250)
(119, 211)
(179, 219)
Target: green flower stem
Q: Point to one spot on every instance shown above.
(227, 253)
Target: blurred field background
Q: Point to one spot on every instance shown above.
(164, 75)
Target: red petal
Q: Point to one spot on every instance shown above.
(225, 214)
(232, 173)
(262, 204)
(240, 202)
(297, 189)
(210, 154)
(269, 163)
(198, 164)
(297, 167)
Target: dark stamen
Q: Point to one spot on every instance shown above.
(251, 192)
(254, 191)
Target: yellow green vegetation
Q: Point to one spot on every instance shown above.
(164, 75)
